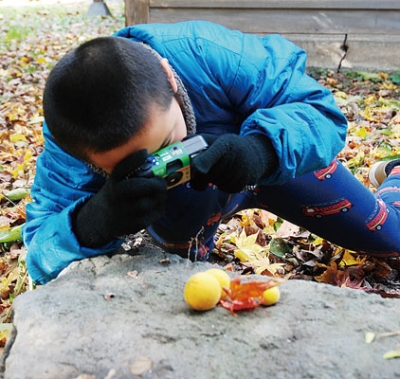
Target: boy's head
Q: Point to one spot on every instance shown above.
(102, 93)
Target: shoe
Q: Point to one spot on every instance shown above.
(381, 170)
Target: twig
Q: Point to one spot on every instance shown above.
(389, 334)
(196, 240)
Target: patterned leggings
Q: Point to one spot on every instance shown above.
(330, 203)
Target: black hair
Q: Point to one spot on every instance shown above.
(98, 96)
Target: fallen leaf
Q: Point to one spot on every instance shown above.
(246, 292)
(132, 274)
(351, 259)
(14, 234)
(141, 366)
(369, 337)
(248, 249)
(392, 354)
(5, 329)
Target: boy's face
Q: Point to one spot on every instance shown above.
(162, 129)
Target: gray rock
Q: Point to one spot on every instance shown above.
(100, 320)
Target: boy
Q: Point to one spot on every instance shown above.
(273, 134)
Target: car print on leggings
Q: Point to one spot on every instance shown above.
(342, 205)
(379, 217)
(326, 173)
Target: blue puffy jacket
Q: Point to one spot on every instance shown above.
(237, 83)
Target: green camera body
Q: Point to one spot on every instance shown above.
(173, 162)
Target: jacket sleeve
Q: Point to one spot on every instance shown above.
(61, 183)
(300, 116)
(246, 84)
(264, 81)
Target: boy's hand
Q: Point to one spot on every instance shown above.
(123, 206)
(232, 162)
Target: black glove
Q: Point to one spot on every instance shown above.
(232, 162)
(123, 205)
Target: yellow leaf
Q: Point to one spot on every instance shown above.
(318, 241)
(381, 152)
(6, 281)
(265, 264)
(369, 100)
(392, 354)
(340, 94)
(245, 220)
(350, 260)
(4, 227)
(221, 240)
(369, 337)
(17, 137)
(28, 155)
(389, 86)
(269, 229)
(368, 114)
(244, 256)
(5, 331)
(247, 217)
(18, 170)
(41, 60)
(244, 241)
(361, 132)
(357, 160)
(248, 249)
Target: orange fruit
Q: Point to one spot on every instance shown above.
(202, 291)
(271, 296)
(223, 278)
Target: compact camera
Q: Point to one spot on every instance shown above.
(173, 162)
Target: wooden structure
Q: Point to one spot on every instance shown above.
(352, 34)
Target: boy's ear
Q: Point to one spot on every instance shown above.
(167, 68)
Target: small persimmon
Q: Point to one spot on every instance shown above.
(271, 296)
(202, 291)
(223, 278)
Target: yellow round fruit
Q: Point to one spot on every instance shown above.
(223, 279)
(202, 291)
(271, 296)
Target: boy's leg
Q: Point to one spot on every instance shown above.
(191, 221)
(331, 203)
(334, 205)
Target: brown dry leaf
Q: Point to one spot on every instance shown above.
(141, 366)
(132, 274)
(287, 229)
(351, 277)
